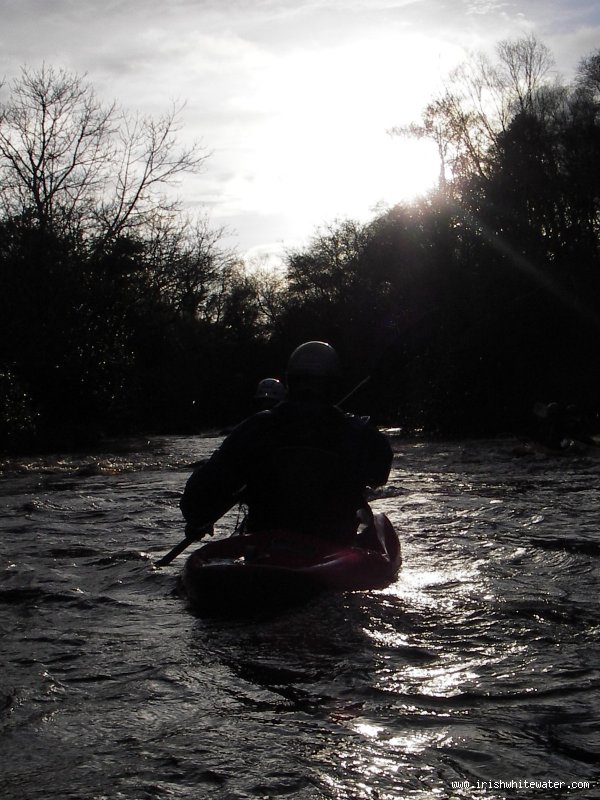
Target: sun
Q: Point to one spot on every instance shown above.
(342, 168)
(397, 170)
(316, 143)
(323, 151)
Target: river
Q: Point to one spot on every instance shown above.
(477, 674)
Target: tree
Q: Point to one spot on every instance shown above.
(102, 284)
(478, 103)
(81, 166)
(588, 78)
(189, 269)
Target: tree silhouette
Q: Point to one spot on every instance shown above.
(79, 165)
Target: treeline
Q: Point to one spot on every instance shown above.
(118, 312)
(464, 309)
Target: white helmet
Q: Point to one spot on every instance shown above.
(270, 389)
(314, 360)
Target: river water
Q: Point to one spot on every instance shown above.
(477, 674)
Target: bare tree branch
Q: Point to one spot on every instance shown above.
(78, 163)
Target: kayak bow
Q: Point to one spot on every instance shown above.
(245, 573)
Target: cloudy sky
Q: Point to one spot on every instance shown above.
(293, 98)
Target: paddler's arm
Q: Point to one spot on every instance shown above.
(211, 490)
(209, 493)
(195, 529)
(216, 485)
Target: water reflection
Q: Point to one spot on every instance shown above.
(409, 742)
(440, 589)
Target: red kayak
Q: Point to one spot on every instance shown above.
(246, 573)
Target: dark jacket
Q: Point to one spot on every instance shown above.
(300, 465)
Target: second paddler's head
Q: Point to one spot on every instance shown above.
(269, 392)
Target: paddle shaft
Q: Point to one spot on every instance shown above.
(185, 543)
(173, 553)
(352, 392)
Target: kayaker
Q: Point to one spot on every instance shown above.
(269, 392)
(303, 465)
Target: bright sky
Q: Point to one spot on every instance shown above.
(292, 97)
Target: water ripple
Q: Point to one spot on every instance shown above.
(479, 663)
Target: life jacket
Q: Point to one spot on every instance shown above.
(306, 489)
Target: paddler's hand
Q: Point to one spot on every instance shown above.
(195, 532)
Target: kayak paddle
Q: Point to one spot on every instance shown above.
(182, 545)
